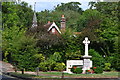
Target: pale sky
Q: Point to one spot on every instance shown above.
(41, 5)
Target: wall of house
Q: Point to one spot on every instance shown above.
(54, 32)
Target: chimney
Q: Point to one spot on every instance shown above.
(63, 23)
(48, 22)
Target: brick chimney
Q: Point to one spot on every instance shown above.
(48, 22)
(63, 23)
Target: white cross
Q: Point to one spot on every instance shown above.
(86, 42)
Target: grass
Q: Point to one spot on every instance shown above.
(59, 74)
(103, 75)
(22, 75)
(28, 75)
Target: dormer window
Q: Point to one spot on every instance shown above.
(53, 30)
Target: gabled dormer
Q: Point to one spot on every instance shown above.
(53, 29)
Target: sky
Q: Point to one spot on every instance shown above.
(41, 5)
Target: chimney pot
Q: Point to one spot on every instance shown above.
(48, 22)
(63, 16)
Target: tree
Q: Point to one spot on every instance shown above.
(89, 20)
(10, 18)
(92, 4)
(16, 14)
(74, 6)
(10, 38)
(46, 42)
(72, 47)
(71, 11)
(108, 30)
(98, 60)
(70, 16)
(19, 48)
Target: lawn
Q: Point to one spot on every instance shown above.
(66, 75)
(103, 75)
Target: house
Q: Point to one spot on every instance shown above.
(51, 27)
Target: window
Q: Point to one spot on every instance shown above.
(53, 30)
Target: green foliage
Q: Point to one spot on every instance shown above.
(114, 60)
(24, 56)
(39, 57)
(10, 37)
(76, 70)
(73, 55)
(43, 66)
(88, 22)
(49, 63)
(70, 16)
(107, 67)
(16, 14)
(97, 59)
(59, 66)
(21, 48)
(69, 6)
(109, 8)
(5, 55)
(56, 57)
(28, 51)
(72, 70)
(108, 30)
(92, 4)
(72, 46)
(98, 70)
(47, 43)
(117, 62)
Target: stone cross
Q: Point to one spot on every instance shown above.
(86, 42)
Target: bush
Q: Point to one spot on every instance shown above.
(60, 66)
(76, 70)
(73, 69)
(90, 71)
(43, 66)
(107, 67)
(97, 59)
(98, 70)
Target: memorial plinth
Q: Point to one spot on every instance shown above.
(87, 63)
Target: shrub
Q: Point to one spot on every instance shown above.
(47, 65)
(73, 69)
(60, 66)
(107, 67)
(76, 70)
(98, 70)
(90, 71)
(97, 59)
(43, 66)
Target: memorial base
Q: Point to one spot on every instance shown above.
(87, 63)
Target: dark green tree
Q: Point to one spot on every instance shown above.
(16, 14)
(20, 49)
(74, 6)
